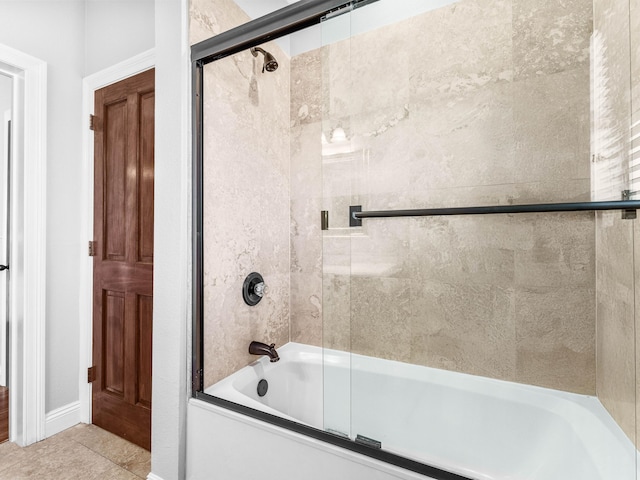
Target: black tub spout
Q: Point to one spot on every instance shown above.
(259, 348)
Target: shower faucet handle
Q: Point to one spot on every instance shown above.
(253, 289)
(261, 289)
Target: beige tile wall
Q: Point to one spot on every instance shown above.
(616, 377)
(306, 199)
(246, 195)
(634, 31)
(615, 238)
(211, 17)
(480, 102)
(489, 104)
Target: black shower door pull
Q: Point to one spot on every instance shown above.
(4, 267)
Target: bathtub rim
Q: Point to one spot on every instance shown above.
(552, 401)
(316, 434)
(334, 440)
(380, 465)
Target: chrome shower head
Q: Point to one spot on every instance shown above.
(270, 62)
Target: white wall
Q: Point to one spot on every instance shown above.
(53, 32)
(172, 297)
(56, 31)
(116, 30)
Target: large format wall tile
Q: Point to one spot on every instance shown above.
(378, 59)
(611, 99)
(460, 48)
(336, 324)
(614, 81)
(446, 123)
(636, 322)
(337, 86)
(465, 328)
(464, 250)
(551, 133)
(634, 31)
(382, 250)
(442, 124)
(555, 337)
(635, 102)
(443, 142)
(380, 317)
(211, 17)
(550, 36)
(507, 296)
(560, 252)
(246, 208)
(306, 236)
(615, 370)
(306, 88)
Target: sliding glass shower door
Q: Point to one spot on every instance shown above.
(440, 198)
(463, 341)
(339, 166)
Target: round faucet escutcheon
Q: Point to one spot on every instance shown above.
(253, 289)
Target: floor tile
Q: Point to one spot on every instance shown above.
(117, 473)
(83, 451)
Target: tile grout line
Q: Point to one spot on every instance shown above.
(110, 460)
(106, 458)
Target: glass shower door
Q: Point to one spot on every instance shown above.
(337, 173)
(444, 321)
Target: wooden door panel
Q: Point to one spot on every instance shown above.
(145, 323)
(115, 173)
(123, 265)
(113, 411)
(113, 342)
(145, 219)
(123, 277)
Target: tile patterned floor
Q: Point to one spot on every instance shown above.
(82, 452)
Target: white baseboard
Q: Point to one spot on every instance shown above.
(152, 476)
(62, 418)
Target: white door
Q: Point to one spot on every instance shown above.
(6, 95)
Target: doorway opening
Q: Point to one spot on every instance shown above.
(102, 81)
(123, 125)
(24, 308)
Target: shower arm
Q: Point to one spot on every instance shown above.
(255, 50)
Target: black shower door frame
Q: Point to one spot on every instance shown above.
(298, 16)
(295, 17)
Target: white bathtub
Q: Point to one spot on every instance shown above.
(477, 427)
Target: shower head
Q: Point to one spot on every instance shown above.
(270, 62)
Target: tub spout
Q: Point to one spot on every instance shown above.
(259, 348)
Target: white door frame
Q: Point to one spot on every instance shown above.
(90, 84)
(4, 278)
(28, 246)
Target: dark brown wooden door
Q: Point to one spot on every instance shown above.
(4, 414)
(123, 262)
